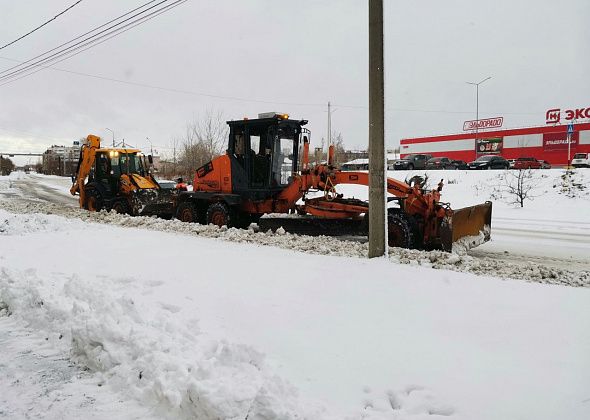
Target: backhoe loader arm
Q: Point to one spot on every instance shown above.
(87, 156)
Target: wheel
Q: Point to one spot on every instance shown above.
(489, 167)
(218, 214)
(399, 232)
(410, 167)
(93, 200)
(120, 207)
(186, 212)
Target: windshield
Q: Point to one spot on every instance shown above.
(484, 159)
(283, 162)
(580, 156)
(129, 164)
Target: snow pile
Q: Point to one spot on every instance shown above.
(466, 243)
(147, 353)
(572, 184)
(12, 224)
(528, 271)
(7, 186)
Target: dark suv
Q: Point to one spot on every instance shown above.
(440, 163)
(413, 161)
(489, 162)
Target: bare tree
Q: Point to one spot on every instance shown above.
(204, 139)
(339, 149)
(516, 186)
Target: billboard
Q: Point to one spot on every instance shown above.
(483, 124)
(558, 141)
(554, 115)
(491, 146)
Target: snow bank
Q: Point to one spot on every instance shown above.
(12, 224)
(369, 339)
(148, 354)
(31, 216)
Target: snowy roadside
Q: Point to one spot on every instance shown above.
(365, 339)
(529, 271)
(142, 353)
(39, 380)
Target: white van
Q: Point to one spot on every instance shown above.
(581, 160)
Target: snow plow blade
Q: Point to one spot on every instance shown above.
(467, 228)
(154, 203)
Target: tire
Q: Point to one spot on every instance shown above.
(218, 214)
(410, 167)
(94, 201)
(120, 207)
(399, 231)
(186, 212)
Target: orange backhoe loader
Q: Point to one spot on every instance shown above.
(260, 173)
(117, 179)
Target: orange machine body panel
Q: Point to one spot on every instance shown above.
(214, 176)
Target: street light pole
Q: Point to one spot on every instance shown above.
(477, 104)
(113, 135)
(151, 146)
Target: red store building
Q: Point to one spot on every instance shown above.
(548, 143)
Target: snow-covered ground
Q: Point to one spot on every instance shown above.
(158, 318)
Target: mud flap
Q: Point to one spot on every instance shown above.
(470, 225)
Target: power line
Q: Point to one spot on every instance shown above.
(90, 41)
(239, 99)
(78, 37)
(115, 30)
(40, 26)
(41, 67)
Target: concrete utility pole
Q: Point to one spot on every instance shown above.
(377, 204)
(329, 126)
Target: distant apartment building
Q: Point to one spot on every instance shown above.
(61, 160)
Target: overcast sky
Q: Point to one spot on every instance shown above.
(251, 56)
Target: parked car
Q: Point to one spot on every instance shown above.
(545, 164)
(166, 184)
(581, 160)
(489, 162)
(527, 163)
(460, 164)
(413, 161)
(439, 163)
(511, 162)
